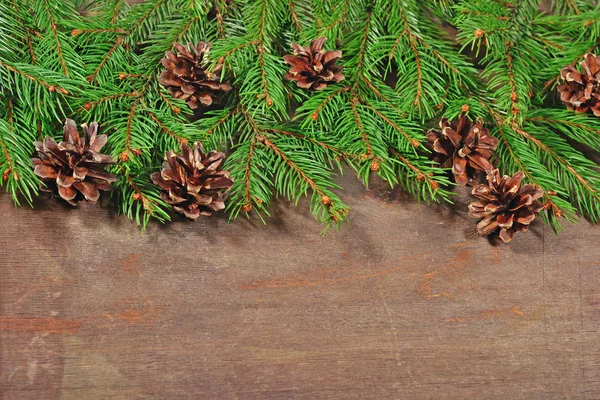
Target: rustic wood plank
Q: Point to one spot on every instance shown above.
(406, 302)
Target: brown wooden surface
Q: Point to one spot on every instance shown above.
(406, 303)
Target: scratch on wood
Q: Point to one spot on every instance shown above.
(279, 283)
(454, 271)
(143, 316)
(39, 324)
(425, 289)
(296, 281)
(495, 255)
(515, 312)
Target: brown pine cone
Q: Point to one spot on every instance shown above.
(581, 91)
(74, 168)
(463, 145)
(313, 67)
(504, 206)
(193, 182)
(187, 76)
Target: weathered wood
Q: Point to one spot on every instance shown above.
(406, 302)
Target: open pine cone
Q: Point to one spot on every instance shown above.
(581, 91)
(463, 145)
(187, 77)
(313, 67)
(193, 182)
(504, 206)
(74, 168)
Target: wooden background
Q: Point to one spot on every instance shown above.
(407, 302)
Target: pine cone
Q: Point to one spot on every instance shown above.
(581, 91)
(193, 182)
(74, 167)
(188, 79)
(504, 205)
(465, 146)
(313, 67)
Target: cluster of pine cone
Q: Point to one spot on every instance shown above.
(188, 78)
(503, 205)
(195, 184)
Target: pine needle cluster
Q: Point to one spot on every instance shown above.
(406, 64)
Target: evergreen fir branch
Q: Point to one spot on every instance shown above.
(139, 199)
(402, 70)
(294, 16)
(133, 133)
(144, 17)
(417, 177)
(576, 175)
(550, 83)
(13, 32)
(261, 88)
(220, 128)
(52, 23)
(116, 10)
(579, 127)
(102, 103)
(40, 89)
(319, 112)
(325, 205)
(140, 21)
(331, 149)
(165, 129)
(252, 175)
(16, 171)
(405, 141)
(379, 90)
(92, 78)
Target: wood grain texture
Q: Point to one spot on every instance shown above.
(407, 302)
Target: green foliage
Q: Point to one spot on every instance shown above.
(405, 66)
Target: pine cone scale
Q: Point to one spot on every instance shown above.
(45, 171)
(487, 226)
(101, 175)
(64, 179)
(67, 193)
(88, 189)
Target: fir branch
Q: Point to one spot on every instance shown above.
(361, 129)
(511, 79)
(93, 76)
(414, 142)
(315, 114)
(55, 34)
(222, 121)
(294, 16)
(165, 129)
(420, 175)
(247, 204)
(51, 88)
(413, 45)
(116, 10)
